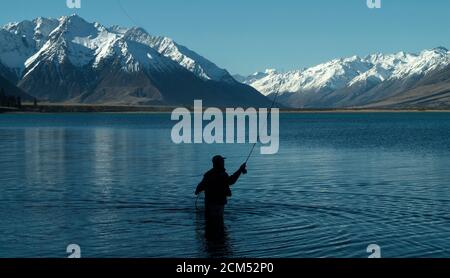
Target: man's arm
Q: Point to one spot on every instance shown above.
(234, 178)
(200, 187)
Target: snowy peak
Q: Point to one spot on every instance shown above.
(441, 49)
(91, 44)
(345, 72)
(36, 31)
(189, 59)
(75, 26)
(328, 76)
(73, 39)
(423, 63)
(20, 40)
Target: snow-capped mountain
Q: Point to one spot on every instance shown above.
(349, 81)
(331, 75)
(18, 41)
(71, 60)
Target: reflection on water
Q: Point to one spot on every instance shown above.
(116, 185)
(213, 239)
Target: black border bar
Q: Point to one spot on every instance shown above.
(125, 267)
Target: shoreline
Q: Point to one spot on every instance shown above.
(80, 108)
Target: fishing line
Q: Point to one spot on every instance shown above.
(196, 201)
(127, 14)
(254, 145)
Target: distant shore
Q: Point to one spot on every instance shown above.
(7, 110)
(81, 108)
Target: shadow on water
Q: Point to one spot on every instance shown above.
(213, 237)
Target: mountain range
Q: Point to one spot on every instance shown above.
(401, 80)
(69, 60)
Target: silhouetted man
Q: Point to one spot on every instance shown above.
(216, 184)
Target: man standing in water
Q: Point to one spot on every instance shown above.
(216, 184)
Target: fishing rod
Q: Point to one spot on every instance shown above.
(256, 143)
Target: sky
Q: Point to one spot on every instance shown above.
(245, 36)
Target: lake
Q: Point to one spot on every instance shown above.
(117, 186)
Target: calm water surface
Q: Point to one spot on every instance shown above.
(116, 185)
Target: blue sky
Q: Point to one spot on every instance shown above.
(245, 36)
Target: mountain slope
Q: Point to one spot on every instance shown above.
(432, 91)
(189, 59)
(11, 90)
